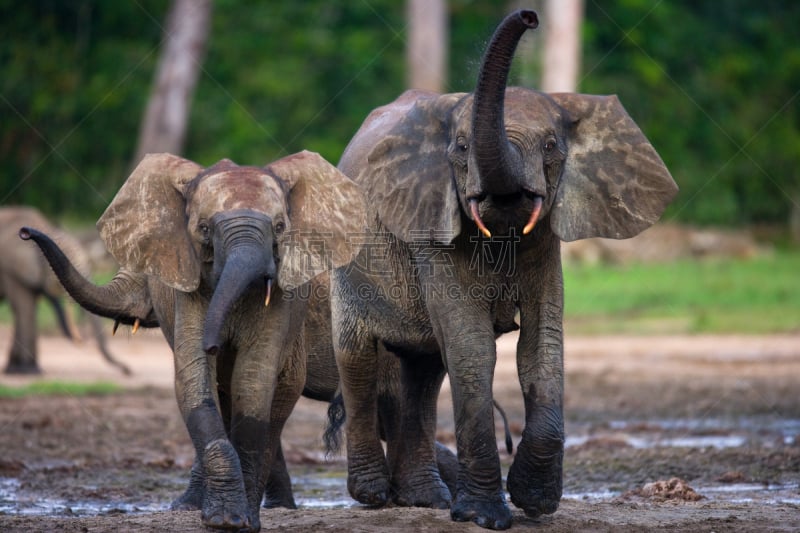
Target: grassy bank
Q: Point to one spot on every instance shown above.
(58, 388)
(758, 295)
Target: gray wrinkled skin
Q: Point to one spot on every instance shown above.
(206, 242)
(437, 291)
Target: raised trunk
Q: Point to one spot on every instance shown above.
(245, 267)
(123, 299)
(499, 164)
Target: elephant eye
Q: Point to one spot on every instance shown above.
(279, 227)
(204, 230)
(461, 142)
(549, 145)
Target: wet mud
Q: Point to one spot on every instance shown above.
(676, 433)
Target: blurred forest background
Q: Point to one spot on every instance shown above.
(714, 85)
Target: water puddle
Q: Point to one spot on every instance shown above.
(693, 433)
(766, 494)
(325, 487)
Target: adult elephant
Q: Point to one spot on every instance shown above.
(470, 196)
(25, 276)
(221, 251)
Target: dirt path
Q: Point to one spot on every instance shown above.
(720, 413)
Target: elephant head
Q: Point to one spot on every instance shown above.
(507, 158)
(217, 231)
(222, 229)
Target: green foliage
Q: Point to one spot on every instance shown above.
(714, 86)
(58, 388)
(75, 79)
(758, 295)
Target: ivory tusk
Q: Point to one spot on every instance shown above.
(114, 330)
(537, 208)
(135, 327)
(473, 208)
(269, 292)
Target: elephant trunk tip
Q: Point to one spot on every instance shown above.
(529, 18)
(211, 349)
(25, 233)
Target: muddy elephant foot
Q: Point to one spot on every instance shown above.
(23, 368)
(192, 497)
(448, 466)
(370, 487)
(274, 500)
(225, 503)
(535, 485)
(278, 492)
(424, 489)
(490, 512)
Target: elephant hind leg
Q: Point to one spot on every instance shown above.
(192, 497)
(22, 356)
(279, 485)
(367, 471)
(411, 437)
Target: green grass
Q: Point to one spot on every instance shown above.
(56, 388)
(758, 295)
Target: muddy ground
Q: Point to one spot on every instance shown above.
(677, 433)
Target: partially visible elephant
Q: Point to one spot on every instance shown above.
(470, 195)
(25, 276)
(221, 251)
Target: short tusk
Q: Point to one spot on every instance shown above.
(116, 325)
(537, 209)
(473, 208)
(269, 292)
(135, 328)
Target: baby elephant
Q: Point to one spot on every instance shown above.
(221, 251)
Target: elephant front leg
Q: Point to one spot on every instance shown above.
(224, 504)
(535, 478)
(469, 347)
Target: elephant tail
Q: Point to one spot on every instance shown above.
(333, 432)
(509, 442)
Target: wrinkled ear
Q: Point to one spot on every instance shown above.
(399, 158)
(614, 183)
(326, 213)
(144, 227)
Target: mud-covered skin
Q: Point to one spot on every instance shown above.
(215, 246)
(469, 198)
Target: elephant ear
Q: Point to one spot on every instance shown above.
(326, 211)
(399, 158)
(614, 184)
(144, 227)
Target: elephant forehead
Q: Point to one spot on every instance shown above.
(240, 189)
(530, 107)
(523, 107)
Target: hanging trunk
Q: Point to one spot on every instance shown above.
(244, 267)
(124, 299)
(498, 163)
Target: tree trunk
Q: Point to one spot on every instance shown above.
(167, 114)
(426, 51)
(562, 45)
